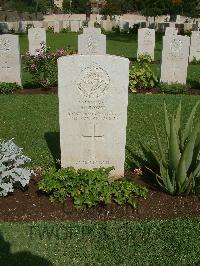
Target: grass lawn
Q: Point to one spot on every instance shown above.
(117, 44)
(33, 122)
(174, 242)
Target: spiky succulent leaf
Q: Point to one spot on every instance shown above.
(167, 123)
(189, 124)
(174, 151)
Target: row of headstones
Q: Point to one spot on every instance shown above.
(175, 53)
(146, 42)
(107, 25)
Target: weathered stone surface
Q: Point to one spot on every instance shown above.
(175, 59)
(107, 25)
(171, 31)
(58, 25)
(75, 25)
(91, 30)
(10, 61)
(92, 43)
(36, 36)
(146, 42)
(195, 46)
(93, 98)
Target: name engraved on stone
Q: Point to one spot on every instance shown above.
(94, 82)
(106, 116)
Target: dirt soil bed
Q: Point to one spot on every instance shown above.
(32, 205)
(54, 90)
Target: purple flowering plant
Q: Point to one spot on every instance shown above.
(43, 65)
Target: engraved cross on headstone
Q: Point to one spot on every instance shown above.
(94, 135)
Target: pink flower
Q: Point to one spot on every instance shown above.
(33, 66)
(28, 53)
(61, 52)
(50, 56)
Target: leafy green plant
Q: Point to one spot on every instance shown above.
(174, 88)
(43, 66)
(89, 187)
(7, 87)
(195, 61)
(12, 170)
(141, 75)
(179, 167)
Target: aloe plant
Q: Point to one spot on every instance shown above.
(179, 166)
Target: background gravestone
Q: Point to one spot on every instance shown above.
(36, 36)
(146, 42)
(92, 43)
(75, 25)
(195, 46)
(175, 59)
(171, 31)
(10, 61)
(93, 99)
(91, 30)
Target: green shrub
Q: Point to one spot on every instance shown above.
(141, 75)
(87, 188)
(6, 88)
(179, 166)
(195, 61)
(174, 88)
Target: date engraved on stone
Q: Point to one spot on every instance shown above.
(94, 82)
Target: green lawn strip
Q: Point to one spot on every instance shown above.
(169, 242)
(33, 122)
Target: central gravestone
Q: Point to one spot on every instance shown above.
(93, 99)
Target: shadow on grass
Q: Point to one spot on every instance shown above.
(195, 84)
(53, 142)
(19, 258)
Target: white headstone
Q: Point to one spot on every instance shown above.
(92, 30)
(171, 31)
(10, 61)
(195, 46)
(36, 36)
(92, 43)
(175, 59)
(57, 26)
(93, 99)
(90, 24)
(75, 25)
(107, 25)
(66, 24)
(146, 42)
(124, 26)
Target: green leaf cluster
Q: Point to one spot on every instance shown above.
(174, 88)
(87, 188)
(6, 88)
(141, 75)
(179, 166)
